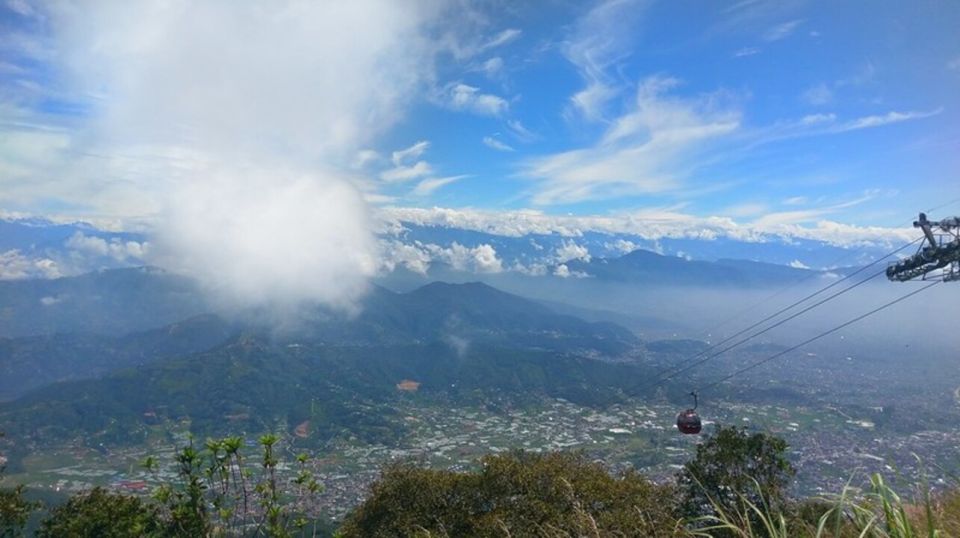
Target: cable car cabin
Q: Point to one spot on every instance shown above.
(688, 422)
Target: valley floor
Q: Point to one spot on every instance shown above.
(825, 445)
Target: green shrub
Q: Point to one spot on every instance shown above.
(102, 514)
(516, 494)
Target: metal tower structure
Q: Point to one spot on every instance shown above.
(940, 251)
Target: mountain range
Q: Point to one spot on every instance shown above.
(41, 248)
(339, 372)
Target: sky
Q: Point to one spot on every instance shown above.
(769, 114)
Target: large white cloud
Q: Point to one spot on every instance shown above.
(235, 125)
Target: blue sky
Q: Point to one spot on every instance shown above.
(770, 113)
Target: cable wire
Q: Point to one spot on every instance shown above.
(835, 263)
(771, 327)
(683, 365)
(817, 337)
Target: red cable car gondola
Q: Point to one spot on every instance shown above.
(688, 422)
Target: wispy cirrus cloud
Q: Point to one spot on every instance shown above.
(600, 39)
(879, 120)
(640, 151)
(407, 164)
(781, 31)
(463, 97)
(427, 186)
(497, 144)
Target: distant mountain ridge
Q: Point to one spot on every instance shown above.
(646, 267)
(339, 372)
(103, 321)
(30, 362)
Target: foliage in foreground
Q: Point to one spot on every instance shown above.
(101, 513)
(734, 487)
(15, 509)
(516, 494)
(733, 470)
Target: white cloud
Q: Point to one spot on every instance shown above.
(746, 51)
(867, 122)
(815, 119)
(460, 96)
(570, 250)
(419, 256)
(600, 39)
(396, 254)
(496, 144)
(592, 100)
(520, 132)
(16, 266)
(405, 155)
(407, 172)
(797, 264)
(563, 271)
(234, 126)
(492, 67)
(502, 38)
(482, 258)
(119, 250)
(258, 241)
(639, 152)
(427, 186)
(622, 245)
(407, 167)
(365, 157)
(650, 224)
(781, 31)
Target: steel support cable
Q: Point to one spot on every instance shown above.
(770, 328)
(943, 205)
(682, 365)
(817, 337)
(835, 263)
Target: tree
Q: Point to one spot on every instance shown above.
(733, 467)
(14, 509)
(103, 514)
(216, 493)
(516, 494)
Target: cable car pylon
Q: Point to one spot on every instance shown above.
(939, 251)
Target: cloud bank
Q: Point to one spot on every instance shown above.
(235, 123)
